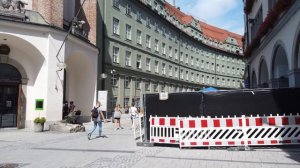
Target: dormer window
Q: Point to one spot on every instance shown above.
(128, 10)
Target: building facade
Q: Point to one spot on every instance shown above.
(151, 46)
(272, 43)
(40, 67)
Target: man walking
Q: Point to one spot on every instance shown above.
(97, 117)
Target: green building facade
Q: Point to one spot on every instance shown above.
(146, 49)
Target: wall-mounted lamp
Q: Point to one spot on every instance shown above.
(103, 76)
(113, 71)
(61, 66)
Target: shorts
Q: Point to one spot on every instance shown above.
(117, 118)
(132, 116)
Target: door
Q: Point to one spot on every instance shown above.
(10, 78)
(8, 105)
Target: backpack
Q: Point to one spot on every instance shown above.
(95, 113)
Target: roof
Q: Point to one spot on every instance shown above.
(208, 30)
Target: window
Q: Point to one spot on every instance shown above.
(212, 66)
(139, 62)
(163, 88)
(148, 41)
(147, 85)
(207, 80)
(116, 26)
(156, 27)
(163, 68)
(128, 58)
(127, 82)
(207, 65)
(148, 64)
(218, 68)
(213, 80)
(192, 61)
(116, 4)
(187, 75)
(113, 102)
(128, 10)
(198, 78)
(128, 32)
(163, 48)
(115, 54)
(202, 64)
(155, 87)
(197, 63)
(170, 52)
(181, 74)
(156, 45)
(138, 16)
(156, 69)
(186, 58)
(138, 84)
(176, 54)
(176, 72)
(170, 70)
(148, 22)
(139, 37)
(202, 81)
(126, 101)
(181, 56)
(114, 80)
(192, 77)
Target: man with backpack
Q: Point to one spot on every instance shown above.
(97, 117)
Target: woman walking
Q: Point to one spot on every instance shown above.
(117, 116)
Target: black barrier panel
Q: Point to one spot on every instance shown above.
(252, 102)
(178, 104)
(224, 103)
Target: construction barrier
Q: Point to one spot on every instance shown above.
(138, 128)
(164, 130)
(231, 131)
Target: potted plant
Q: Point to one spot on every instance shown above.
(39, 124)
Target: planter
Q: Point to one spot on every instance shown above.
(38, 127)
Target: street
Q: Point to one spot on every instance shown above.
(25, 148)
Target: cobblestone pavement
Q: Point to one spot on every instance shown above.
(24, 148)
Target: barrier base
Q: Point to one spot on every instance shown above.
(145, 144)
(240, 148)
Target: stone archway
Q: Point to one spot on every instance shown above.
(263, 75)
(253, 80)
(280, 68)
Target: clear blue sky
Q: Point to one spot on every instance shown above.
(225, 14)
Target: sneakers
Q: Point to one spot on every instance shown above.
(89, 136)
(116, 129)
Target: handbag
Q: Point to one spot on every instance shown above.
(117, 114)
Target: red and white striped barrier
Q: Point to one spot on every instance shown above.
(239, 131)
(164, 130)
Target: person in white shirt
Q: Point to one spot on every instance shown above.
(133, 112)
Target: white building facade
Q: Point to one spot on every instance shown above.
(272, 42)
(33, 79)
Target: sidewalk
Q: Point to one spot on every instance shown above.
(65, 150)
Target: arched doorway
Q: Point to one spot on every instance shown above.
(254, 80)
(263, 75)
(280, 68)
(10, 79)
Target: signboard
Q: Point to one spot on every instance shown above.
(102, 98)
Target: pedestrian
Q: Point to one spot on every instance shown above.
(97, 118)
(72, 107)
(117, 117)
(132, 112)
(65, 109)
